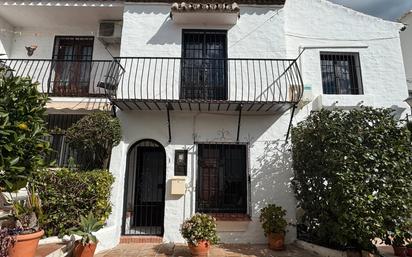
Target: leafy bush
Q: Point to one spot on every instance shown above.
(67, 195)
(352, 175)
(22, 130)
(93, 137)
(200, 227)
(273, 220)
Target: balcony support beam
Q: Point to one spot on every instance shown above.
(238, 121)
(168, 108)
(290, 122)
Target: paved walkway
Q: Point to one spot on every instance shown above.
(181, 250)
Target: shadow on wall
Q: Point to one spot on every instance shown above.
(271, 178)
(170, 33)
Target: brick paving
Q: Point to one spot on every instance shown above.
(181, 250)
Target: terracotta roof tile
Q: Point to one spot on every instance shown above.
(257, 2)
(207, 7)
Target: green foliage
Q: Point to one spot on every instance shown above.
(272, 219)
(93, 137)
(200, 227)
(353, 175)
(22, 131)
(67, 195)
(409, 126)
(28, 213)
(87, 226)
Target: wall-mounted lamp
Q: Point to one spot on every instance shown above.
(30, 49)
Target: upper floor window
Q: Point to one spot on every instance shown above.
(204, 65)
(73, 63)
(341, 73)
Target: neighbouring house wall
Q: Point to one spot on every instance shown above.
(6, 37)
(340, 29)
(406, 39)
(44, 39)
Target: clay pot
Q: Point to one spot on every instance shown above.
(399, 250)
(201, 249)
(276, 241)
(353, 253)
(81, 250)
(409, 251)
(26, 245)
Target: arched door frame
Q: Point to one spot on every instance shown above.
(126, 184)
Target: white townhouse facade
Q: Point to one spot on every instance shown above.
(206, 93)
(406, 41)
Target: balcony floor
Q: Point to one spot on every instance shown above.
(201, 105)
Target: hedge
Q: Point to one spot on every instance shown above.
(353, 175)
(66, 195)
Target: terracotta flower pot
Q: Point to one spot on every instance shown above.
(399, 250)
(276, 241)
(201, 249)
(26, 245)
(81, 250)
(409, 251)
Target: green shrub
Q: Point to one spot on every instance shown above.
(22, 131)
(67, 195)
(353, 175)
(273, 220)
(93, 137)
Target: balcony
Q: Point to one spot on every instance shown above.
(62, 78)
(205, 84)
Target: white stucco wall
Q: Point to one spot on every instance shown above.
(6, 35)
(340, 29)
(406, 39)
(261, 32)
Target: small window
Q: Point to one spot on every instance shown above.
(222, 179)
(180, 162)
(341, 73)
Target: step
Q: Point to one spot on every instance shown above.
(51, 250)
(141, 239)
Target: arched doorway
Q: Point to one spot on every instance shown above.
(145, 189)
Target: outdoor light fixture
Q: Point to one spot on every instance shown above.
(180, 162)
(30, 49)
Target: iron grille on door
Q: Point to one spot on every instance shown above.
(222, 181)
(145, 189)
(204, 74)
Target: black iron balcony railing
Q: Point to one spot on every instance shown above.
(204, 79)
(63, 78)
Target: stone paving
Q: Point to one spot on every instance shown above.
(181, 250)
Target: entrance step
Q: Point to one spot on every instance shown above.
(141, 239)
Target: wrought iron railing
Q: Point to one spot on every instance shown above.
(64, 77)
(207, 79)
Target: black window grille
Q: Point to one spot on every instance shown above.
(222, 179)
(204, 65)
(341, 73)
(57, 124)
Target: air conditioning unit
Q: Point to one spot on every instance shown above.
(110, 32)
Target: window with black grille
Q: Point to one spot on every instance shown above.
(204, 65)
(57, 124)
(341, 73)
(222, 178)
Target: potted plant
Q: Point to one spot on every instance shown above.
(23, 226)
(200, 232)
(274, 226)
(86, 246)
(409, 249)
(398, 240)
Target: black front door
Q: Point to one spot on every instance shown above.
(204, 65)
(145, 189)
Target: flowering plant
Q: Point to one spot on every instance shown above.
(6, 241)
(200, 227)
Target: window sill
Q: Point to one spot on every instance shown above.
(230, 216)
